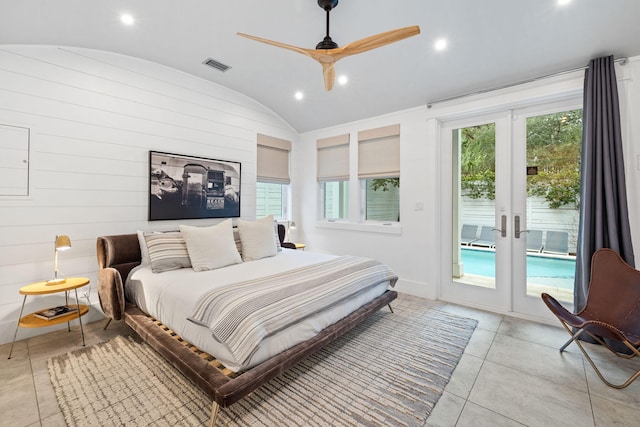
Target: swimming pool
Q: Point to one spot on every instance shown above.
(544, 270)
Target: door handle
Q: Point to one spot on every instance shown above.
(516, 227)
(503, 226)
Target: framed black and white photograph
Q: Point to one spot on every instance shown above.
(189, 187)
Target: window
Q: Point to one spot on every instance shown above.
(272, 188)
(336, 200)
(382, 199)
(272, 199)
(333, 176)
(379, 173)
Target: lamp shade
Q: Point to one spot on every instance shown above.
(62, 242)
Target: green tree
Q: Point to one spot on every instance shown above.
(384, 184)
(553, 146)
(479, 161)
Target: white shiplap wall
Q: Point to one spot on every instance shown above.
(94, 116)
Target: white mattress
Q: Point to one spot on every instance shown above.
(171, 296)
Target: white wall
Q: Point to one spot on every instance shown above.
(406, 249)
(629, 92)
(94, 116)
(414, 252)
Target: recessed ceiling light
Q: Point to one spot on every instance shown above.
(563, 2)
(440, 44)
(127, 19)
(343, 80)
(299, 95)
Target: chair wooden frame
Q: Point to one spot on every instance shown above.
(612, 311)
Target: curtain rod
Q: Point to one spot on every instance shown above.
(621, 61)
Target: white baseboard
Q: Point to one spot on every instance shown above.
(419, 289)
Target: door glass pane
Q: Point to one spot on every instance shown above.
(474, 205)
(553, 189)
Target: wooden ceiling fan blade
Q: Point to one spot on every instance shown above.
(329, 75)
(376, 41)
(328, 57)
(319, 55)
(308, 52)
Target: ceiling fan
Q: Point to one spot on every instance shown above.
(327, 51)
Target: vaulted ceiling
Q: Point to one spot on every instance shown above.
(490, 43)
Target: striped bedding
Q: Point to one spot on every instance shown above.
(241, 315)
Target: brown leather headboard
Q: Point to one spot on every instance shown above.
(117, 256)
(121, 252)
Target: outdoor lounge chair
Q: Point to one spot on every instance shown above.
(487, 238)
(469, 234)
(534, 240)
(612, 310)
(557, 242)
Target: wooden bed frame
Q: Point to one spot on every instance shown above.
(119, 254)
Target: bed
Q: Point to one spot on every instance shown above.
(189, 345)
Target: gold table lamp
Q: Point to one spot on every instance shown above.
(61, 243)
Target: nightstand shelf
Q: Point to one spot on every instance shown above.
(31, 321)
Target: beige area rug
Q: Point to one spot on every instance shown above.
(389, 371)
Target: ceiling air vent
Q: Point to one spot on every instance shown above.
(216, 64)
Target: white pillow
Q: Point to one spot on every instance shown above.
(144, 249)
(211, 247)
(258, 239)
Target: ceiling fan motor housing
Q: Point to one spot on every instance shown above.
(327, 4)
(327, 43)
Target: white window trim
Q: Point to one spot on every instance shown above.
(369, 226)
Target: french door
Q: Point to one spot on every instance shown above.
(508, 207)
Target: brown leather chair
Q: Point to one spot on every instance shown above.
(281, 234)
(612, 311)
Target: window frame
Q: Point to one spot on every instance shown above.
(346, 200)
(286, 200)
(363, 203)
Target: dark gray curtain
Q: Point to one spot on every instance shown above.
(604, 217)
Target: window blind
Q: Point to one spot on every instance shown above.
(273, 159)
(379, 152)
(333, 158)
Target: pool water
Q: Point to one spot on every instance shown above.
(541, 269)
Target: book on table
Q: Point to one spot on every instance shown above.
(55, 312)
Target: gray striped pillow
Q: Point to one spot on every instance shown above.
(236, 239)
(167, 251)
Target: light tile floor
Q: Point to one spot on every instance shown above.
(26, 394)
(511, 374)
